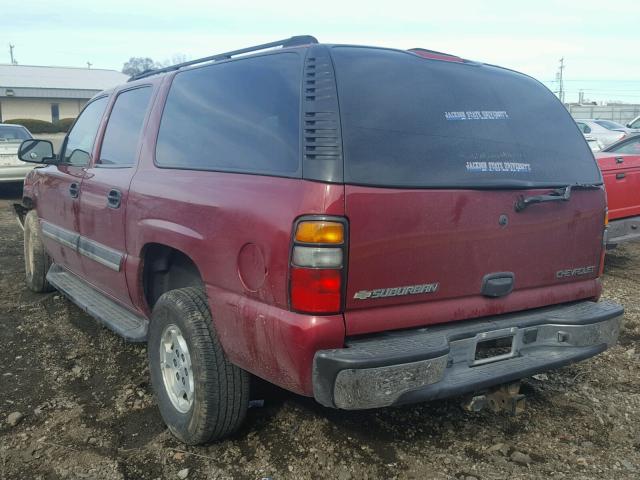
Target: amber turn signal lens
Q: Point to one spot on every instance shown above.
(606, 218)
(320, 232)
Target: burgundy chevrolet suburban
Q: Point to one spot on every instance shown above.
(367, 226)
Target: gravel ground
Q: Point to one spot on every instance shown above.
(75, 402)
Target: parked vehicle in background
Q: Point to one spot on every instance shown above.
(366, 226)
(634, 124)
(628, 145)
(620, 166)
(11, 168)
(599, 129)
(594, 144)
(613, 126)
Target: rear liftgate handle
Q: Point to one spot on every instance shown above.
(114, 198)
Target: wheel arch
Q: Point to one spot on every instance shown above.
(165, 267)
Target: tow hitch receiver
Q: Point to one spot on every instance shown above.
(505, 398)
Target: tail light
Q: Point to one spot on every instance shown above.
(604, 242)
(317, 265)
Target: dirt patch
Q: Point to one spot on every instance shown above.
(89, 412)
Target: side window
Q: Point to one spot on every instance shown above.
(632, 147)
(636, 124)
(121, 138)
(238, 116)
(77, 150)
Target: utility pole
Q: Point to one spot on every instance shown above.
(559, 78)
(13, 60)
(89, 65)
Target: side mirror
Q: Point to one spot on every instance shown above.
(36, 151)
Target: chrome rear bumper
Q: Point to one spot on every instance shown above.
(442, 361)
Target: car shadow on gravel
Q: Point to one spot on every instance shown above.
(378, 434)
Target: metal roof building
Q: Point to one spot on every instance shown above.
(50, 93)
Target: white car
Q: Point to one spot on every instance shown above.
(11, 168)
(605, 131)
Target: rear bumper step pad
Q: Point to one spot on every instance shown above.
(125, 323)
(442, 361)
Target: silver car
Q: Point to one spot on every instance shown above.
(11, 168)
(604, 131)
(595, 144)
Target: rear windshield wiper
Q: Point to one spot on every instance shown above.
(562, 194)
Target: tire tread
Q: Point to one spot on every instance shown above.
(224, 386)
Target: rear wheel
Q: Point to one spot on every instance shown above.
(36, 259)
(201, 395)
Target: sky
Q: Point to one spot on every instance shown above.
(598, 40)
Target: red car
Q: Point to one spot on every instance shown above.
(366, 226)
(620, 166)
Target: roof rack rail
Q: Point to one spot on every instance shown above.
(288, 42)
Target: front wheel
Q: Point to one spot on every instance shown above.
(36, 259)
(201, 395)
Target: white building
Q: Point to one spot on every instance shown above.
(50, 93)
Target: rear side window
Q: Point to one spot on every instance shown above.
(239, 116)
(80, 140)
(121, 138)
(412, 122)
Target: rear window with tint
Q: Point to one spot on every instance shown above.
(239, 116)
(412, 122)
(13, 134)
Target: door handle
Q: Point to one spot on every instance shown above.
(114, 198)
(74, 190)
(620, 176)
(619, 159)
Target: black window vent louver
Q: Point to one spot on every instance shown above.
(322, 140)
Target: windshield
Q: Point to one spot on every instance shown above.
(13, 134)
(609, 125)
(411, 122)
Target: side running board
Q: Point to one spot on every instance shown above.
(123, 322)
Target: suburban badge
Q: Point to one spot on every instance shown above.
(397, 291)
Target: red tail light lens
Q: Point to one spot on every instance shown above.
(318, 255)
(316, 290)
